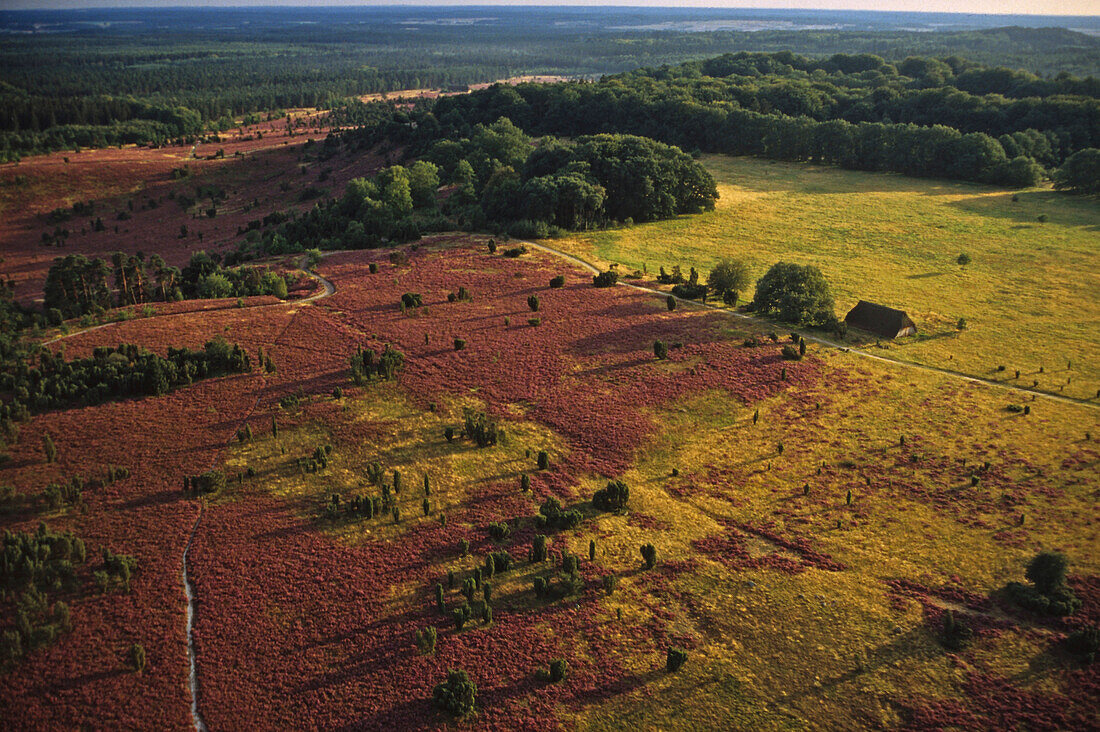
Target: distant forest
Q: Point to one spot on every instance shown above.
(125, 81)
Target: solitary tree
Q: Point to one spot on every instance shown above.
(1048, 571)
(795, 293)
(729, 277)
(50, 448)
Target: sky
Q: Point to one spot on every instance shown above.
(1022, 7)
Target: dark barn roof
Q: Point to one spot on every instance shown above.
(879, 319)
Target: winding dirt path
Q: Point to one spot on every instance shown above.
(193, 674)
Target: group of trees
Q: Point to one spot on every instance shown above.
(111, 373)
(32, 565)
(499, 178)
(77, 285)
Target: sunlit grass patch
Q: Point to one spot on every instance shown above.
(1028, 296)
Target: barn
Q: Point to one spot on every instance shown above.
(880, 320)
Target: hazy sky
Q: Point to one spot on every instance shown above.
(1028, 7)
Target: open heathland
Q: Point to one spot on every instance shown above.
(812, 520)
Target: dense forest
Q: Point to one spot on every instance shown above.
(948, 118)
(127, 82)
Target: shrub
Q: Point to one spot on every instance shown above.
(535, 322)
(591, 550)
(499, 530)
(670, 302)
(558, 670)
(660, 350)
(1059, 603)
(449, 433)
(137, 657)
(500, 561)
(790, 353)
(457, 695)
(49, 448)
(955, 635)
(425, 640)
(373, 267)
(605, 279)
(963, 259)
(556, 282)
(649, 555)
(538, 549)
(540, 587)
(459, 344)
(411, 300)
(543, 460)
(613, 497)
(516, 251)
(690, 292)
(1084, 643)
(551, 515)
(492, 246)
(675, 659)
(439, 601)
(460, 615)
(524, 482)
(533, 303)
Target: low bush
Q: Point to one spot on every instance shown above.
(606, 279)
(457, 695)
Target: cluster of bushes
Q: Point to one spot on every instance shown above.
(112, 373)
(117, 571)
(1048, 593)
(551, 515)
(211, 481)
(32, 565)
(317, 461)
(481, 428)
(366, 365)
(613, 497)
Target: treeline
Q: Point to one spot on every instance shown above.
(40, 124)
(76, 285)
(51, 382)
(500, 179)
(872, 117)
(128, 83)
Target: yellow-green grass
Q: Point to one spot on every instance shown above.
(1030, 296)
(404, 438)
(778, 650)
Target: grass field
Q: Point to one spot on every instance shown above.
(1030, 297)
